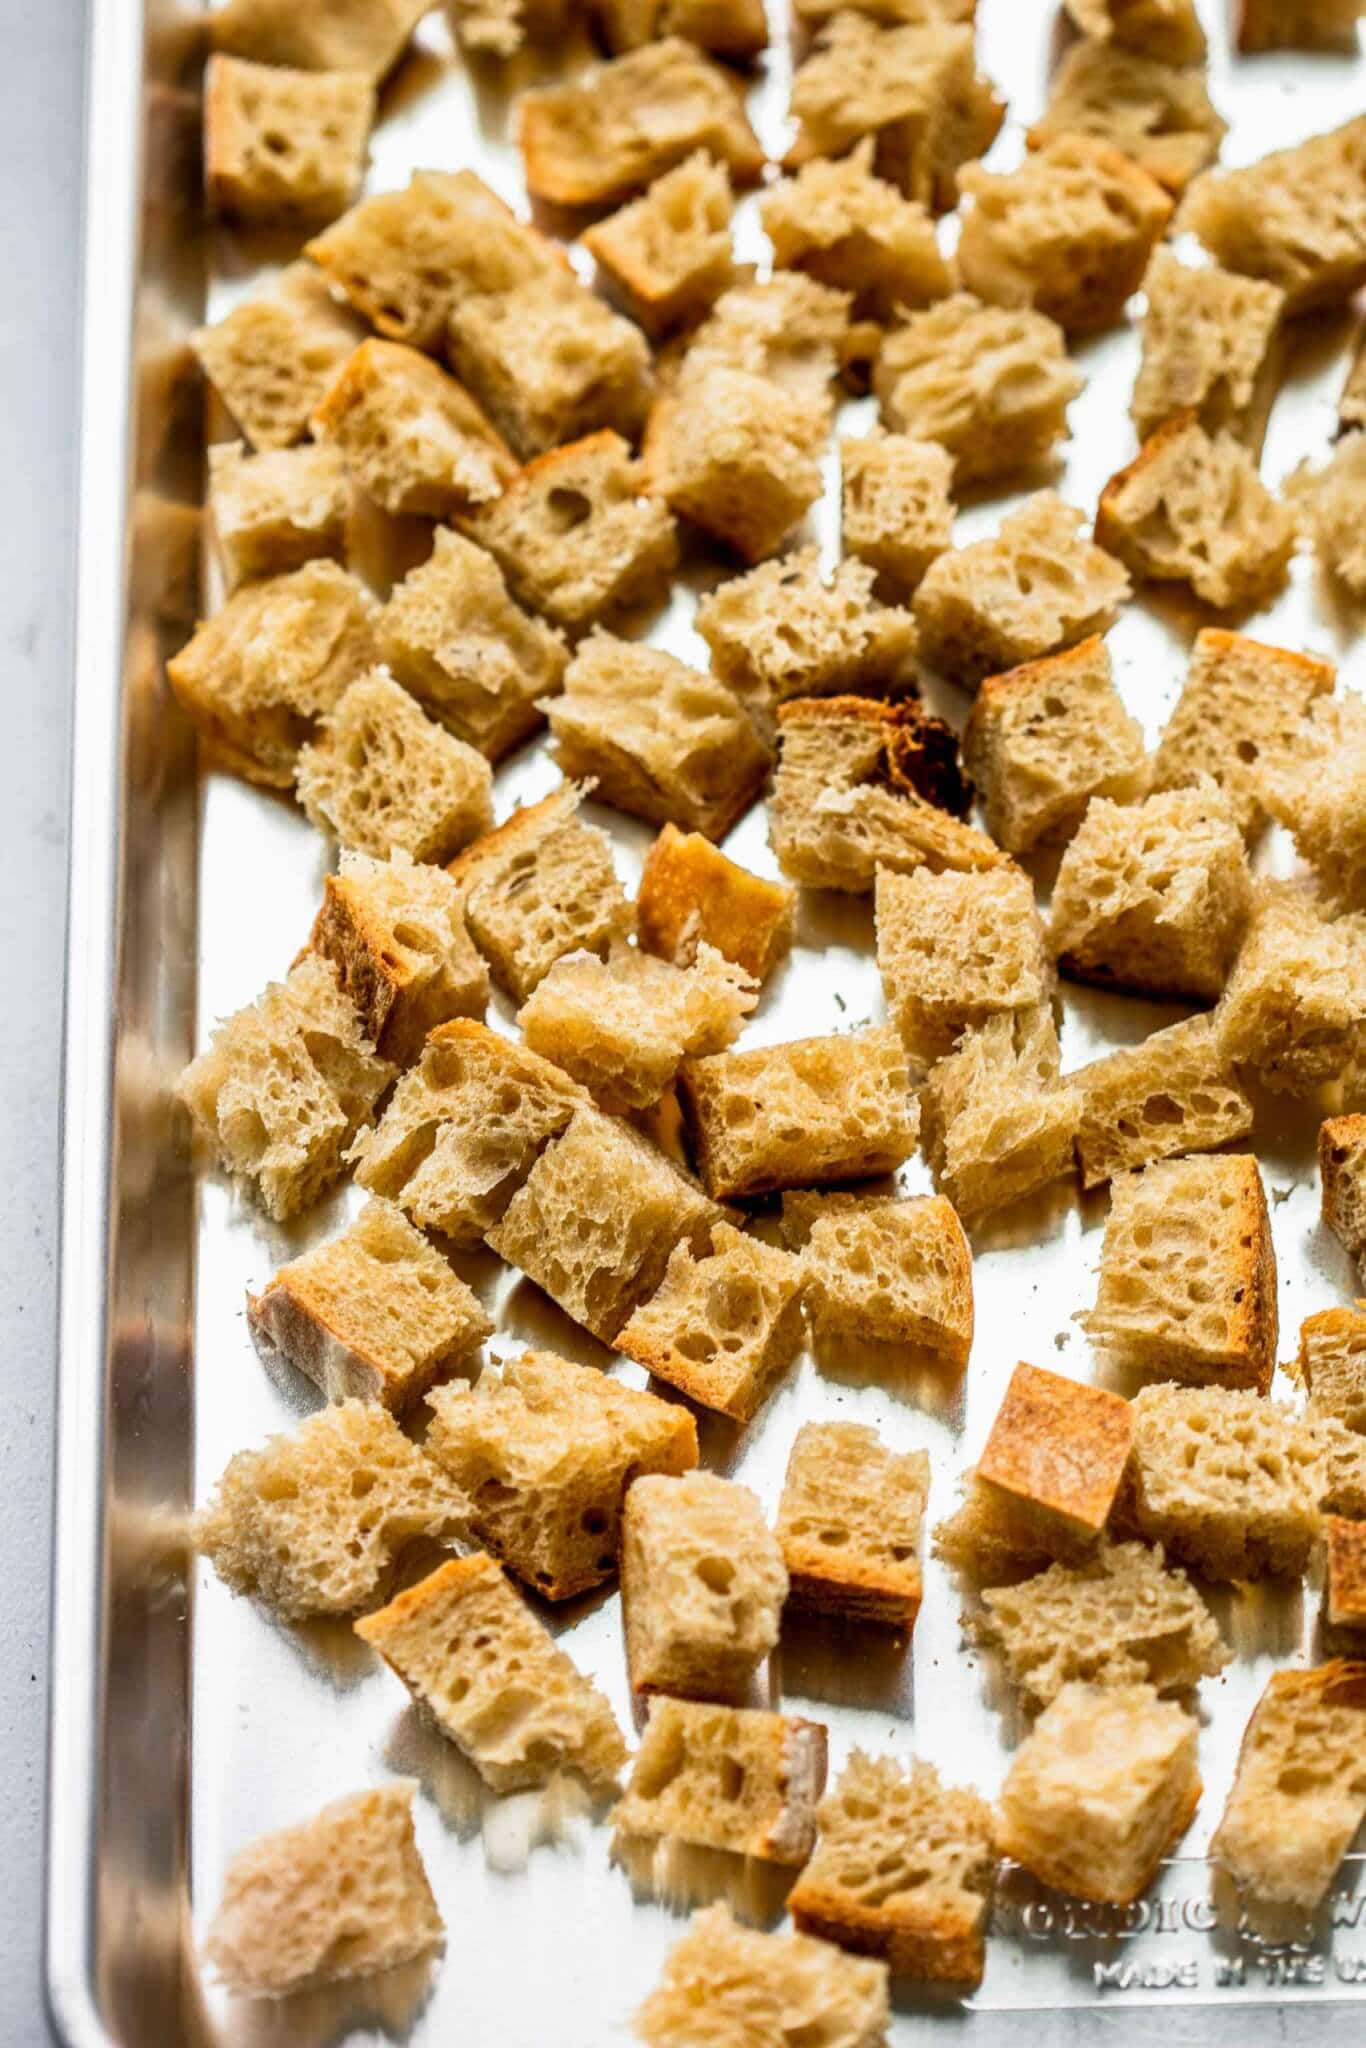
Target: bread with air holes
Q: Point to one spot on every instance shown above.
(728, 1778)
(1209, 340)
(1168, 30)
(786, 630)
(1176, 1092)
(896, 509)
(358, 35)
(271, 359)
(956, 949)
(1300, 1791)
(842, 224)
(1239, 713)
(413, 438)
(997, 1124)
(1158, 115)
(273, 512)
(1296, 218)
(894, 1269)
(849, 1524)
(723, 1324)
(667, 255)
(1294, 1011)
(724, 1986)
(702, 1584)
(283, 145)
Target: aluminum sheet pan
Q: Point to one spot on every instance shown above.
(185, 1717)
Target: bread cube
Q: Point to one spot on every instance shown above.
(596, 1219)
(728, 28)
(897, 515)
(623, 1025)
(1116, 1619)
(362, 35)
(664, 741)
(1344, 1603)
(690, 895)
(1168, 30)
(723, 1325)
(848, 228)
(540, 886)
(1056, 1455)
(849, 1524)
(991, 1545)
(578, 534)
(702, 1586)
(1158, 116)
(474, 660)
(1300, 1793)
(996, 1122)
(1332, 1366)
(339, 1896)
(271, 359)
(1239, 712)
(1317, 790)
(667, 255)
(598, 138)
(992, 384)
(381, 775)
(312, 1522)
(1342, 1172)
(546, 1451)
(282, 145)
(724, 1984)
(1030, 589)
(1296, 217)
(463, 1128)
(500, 28)
(273, 512)
(1225, 1480)
(814, 1109)
(904, 1870)
(494, 1681)
(284, 1086)
(1294, 1011)
(1208, 346)
(737, 456)
(260, 674)
(863, 785)
(1331, 501)
(788, 330)
(955, 949)
(1177, 1092)
(1297, 24)
(726, 1778)
(783, 631)
(1341, 1485)
(1153, 896)
(1100, 1791)
(882, 1267)
(413, 438)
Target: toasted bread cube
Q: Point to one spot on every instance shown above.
(284, 145)
(1297, 24)
(463, 1128)
(1227, 1481)
(1317, 790)
(897, 515)
(406, 259)
(284, 1086)
(1296, 218)
(1208, 347)
(1168, 30)
(413, 438)
(1046, 737)
(896, 1270)
(271, 513)
(848, 228)
(578, 534)
(546, 1451)
(863, 785)
(1239, 712)
(375, 1314)
(1030, 589)
(604, 135)
(1158, 116)
(358, 35)
(260, 674)
(474, 660)
(381, 775)
(500, 28)
(1177, 1092)
(1342, 1172)
(728, 28)
(737, 456)
(342, 1895)
(722, 1326)
(1294, 1010)
(953, 950)
(1104, 1786)
(702, 1586)
(849, 1524)
(668, 254)
(741, 1985)
(1153, 896)
(663, 741)
(1345, 1572)
(996, 1123)
(540, 886)
(596, 1219)
(1300, 1793)
(788, 329)
(494, 1681)
(784, 631)
(1332, 1366)
(726, 1778)
(312, 1522)
(1332, 500)
(986, 1541)
(690, 895)
(1342, 1469)
(272, 359)
(1056, 1454)
(623, 1025)
(992, 384)
(814, 1109)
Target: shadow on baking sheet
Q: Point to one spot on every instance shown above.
(511, 1824)
(392, 2001)
(678, 1877)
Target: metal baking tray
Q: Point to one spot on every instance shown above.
(185, 1722)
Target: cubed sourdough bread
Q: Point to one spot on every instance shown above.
(1297, 24)
(494, 1681)
(1153, 896)
(283, 1087)
(1294, 1011)
(1332, 504)
(904, 1871)
(896, 511)
(846, 227)
(382, 775)
(956, 949)
(1101, 1789)
(258, 676)
(691, 895)
(989, 1545)
(1034, 586)
(361, 35)
(996, 1122)
(896, 1270)
(723, 1325)
(1344, 1546)
(339, 1896)
(1208, 347)
(1118, 1618)
(500, 28)
(849, 1524)
(1177, 1092)
(1158, 115)
(1168, 30)
(726, 1778)
(273, 512)
(667, 255)
(271, 359)
(413, 439)
(313, 1522)
(1342, 1173)
(784, 631)
(1317, 790)
(725, 1986)
(1296, 218)
(789, 330)
(702, 1584)
(738, 456)
(394, 931)
(1055, 1457)
(728, 28)
(1046, 737)
(1341, 1482)
(375, 1314)
(1331, 1366)
(283, 145)
(545, 1450)
(1300, 1793)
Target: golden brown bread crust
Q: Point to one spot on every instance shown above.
(865, 1591)
(690, 892)
(1061, 1874)
(915, 1941)
(1109, 528)
(1057, 1450)
(1345, 1544)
